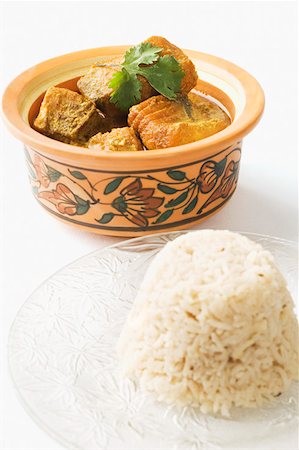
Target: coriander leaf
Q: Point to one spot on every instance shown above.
(165, 76)
(144, 53)
(126, 89)
(163, 73)
(117, 79)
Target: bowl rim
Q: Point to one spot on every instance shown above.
(242, 125)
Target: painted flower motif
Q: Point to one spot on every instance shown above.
(65, 201)
(209, 174)
(44, 174)
(41, 171)
(133, 203)
(137, 203)
(230, 177)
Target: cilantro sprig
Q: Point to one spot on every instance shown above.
(163, 73)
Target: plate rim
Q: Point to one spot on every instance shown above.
(39, 422)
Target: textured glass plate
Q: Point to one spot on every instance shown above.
(63, 363)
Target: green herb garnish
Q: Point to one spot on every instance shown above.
(163, 73)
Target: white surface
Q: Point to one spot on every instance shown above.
(66, 334)
(259, 36)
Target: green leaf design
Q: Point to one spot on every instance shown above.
(80, 200)
(82, 205)
(113, 185)
(53, 174)
(119, 204)
(178, 200)
(220, 166)
(166, 189)
(176, 174)
(106, 218)
(191, 206)
(164, 216)
(78, 175)
(82, 208)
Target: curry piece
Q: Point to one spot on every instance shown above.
(114, 122)
(163, 123)
(190, 79)
(68, 117)
(95, 86)
(118, 140)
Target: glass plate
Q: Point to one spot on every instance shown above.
(63, 363)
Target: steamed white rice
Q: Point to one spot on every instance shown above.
(212, 326)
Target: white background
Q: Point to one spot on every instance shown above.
(259, 36)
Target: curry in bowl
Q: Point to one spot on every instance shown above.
(181, 130)
(143, 101)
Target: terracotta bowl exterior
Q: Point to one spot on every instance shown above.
(133, 193)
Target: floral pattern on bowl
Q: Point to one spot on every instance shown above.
(133, 193)
(138, 201)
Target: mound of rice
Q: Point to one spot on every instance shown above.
(212, 326)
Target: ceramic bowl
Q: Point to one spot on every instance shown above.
(133, 193)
